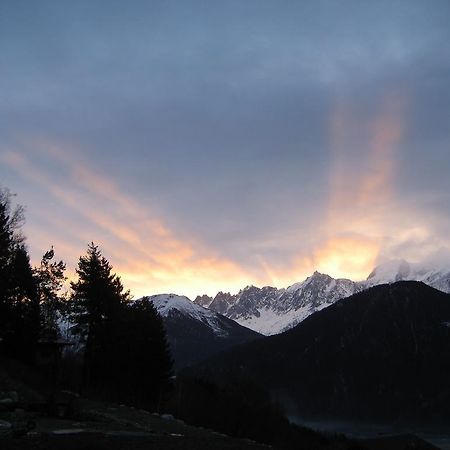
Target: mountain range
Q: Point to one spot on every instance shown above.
(383, 353)
(197, 330)
(269, 310)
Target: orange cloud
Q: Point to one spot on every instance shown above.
(361, 192)
(377, 183)
(361, 217)
(142, 248)
(347, 257)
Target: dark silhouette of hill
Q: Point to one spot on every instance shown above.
(383, 353)
(194, 332)
(192, 340)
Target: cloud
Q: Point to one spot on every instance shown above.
(142, 248)
(362, 187)
(245, 138)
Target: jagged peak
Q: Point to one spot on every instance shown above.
(222, 294)
(319, 274)
(205, 296)
(203, 300)
(249, 287)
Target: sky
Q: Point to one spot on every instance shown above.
(209, 145)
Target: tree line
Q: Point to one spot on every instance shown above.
(124, 353)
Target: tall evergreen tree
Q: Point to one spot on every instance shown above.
(19, 311)
(10, 220)
(126, 354)
(145, 361)
(24, 325)
(97, 302)
(49, 277)
(5, 257)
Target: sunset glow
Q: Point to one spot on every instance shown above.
(144, 251)
(204, 150)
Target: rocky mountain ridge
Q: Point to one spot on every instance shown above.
(269, 310)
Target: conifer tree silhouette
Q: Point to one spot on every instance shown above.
(19, 309)
(97, 302)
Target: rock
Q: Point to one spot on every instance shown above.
(5, 427)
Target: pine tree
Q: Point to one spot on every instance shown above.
(145, 361)
(7, 228)
(23, 327)
(97, 302)
(126, 355)
(49, 277)
(19, 311)
(5, 268)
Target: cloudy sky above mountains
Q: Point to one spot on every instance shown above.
(208, 145)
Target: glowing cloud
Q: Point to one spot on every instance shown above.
(361, 192)
(362, 220)
(361, 211)
(347, 257)
(142, 248)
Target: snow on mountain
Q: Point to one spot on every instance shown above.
(194, 332)
(269, 310)
(171, 305)
(401, 270)
(395, 270)
(401, 326)
(439, 279)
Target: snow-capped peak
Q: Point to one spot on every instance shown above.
(172, 305)
(399, 270)
(166, 303)
(394, 270)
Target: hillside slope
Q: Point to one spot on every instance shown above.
(194, 332)
(382, 353)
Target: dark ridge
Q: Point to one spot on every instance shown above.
(383, 353)
(192, 340)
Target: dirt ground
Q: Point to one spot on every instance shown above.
(107, 427)
(101, 426)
